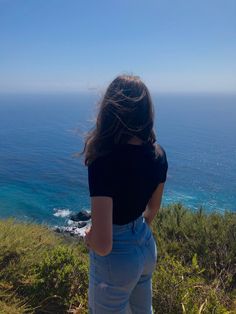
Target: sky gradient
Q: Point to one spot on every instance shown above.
(74, 45)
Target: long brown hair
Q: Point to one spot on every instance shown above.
(126, 110)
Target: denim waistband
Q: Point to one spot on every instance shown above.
(130, 226)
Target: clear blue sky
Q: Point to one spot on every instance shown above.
(70, 45)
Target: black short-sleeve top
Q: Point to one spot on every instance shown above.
(129, 174)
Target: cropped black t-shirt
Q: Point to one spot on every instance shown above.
(129, 174)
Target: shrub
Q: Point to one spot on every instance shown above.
(181, 289)
(20, 244)
(62, 279)
(181, 233)
(11, 304)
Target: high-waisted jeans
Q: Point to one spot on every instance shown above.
(121, 282)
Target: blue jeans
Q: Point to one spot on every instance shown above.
(121, 282)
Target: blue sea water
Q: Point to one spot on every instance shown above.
(39, 134)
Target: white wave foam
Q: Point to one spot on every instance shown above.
(80, 232)
(61, 212)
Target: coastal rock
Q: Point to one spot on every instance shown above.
(81, 216)
(77, 231)
(80, 224)
(76, 226)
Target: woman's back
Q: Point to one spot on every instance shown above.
(129, 174)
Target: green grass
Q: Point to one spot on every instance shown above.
(43, 272)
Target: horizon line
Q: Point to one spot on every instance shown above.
(102, 90)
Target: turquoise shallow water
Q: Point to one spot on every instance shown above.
(39, 135)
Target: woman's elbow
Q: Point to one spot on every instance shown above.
(104, 249)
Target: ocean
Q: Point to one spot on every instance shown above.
(41, 179)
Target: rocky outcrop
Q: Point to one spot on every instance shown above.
(77, 224)
(81, 216)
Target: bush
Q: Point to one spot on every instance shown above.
(22, 245)
(35, 259)
(181, 233)
(181, 289)
(11, 304)
(61, 280)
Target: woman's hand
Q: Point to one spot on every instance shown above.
(154, 204)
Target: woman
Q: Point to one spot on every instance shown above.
(126, 175)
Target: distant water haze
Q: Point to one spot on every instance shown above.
(41, 180)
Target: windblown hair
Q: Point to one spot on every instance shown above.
(126, 110)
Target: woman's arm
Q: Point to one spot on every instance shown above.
(99, 238)
(154, 204)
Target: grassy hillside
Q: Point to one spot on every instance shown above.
(43, 272)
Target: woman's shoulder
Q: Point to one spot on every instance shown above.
(100, 160)
(120, 154)
(157, 151)
(159, 158)
(161, 163)
(160, 151)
